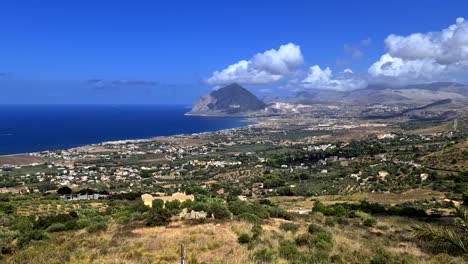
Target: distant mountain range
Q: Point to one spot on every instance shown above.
(440, 100)
(380, 94)
(230, 100)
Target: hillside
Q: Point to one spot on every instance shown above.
(232, 99)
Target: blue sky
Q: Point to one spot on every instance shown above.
(165, 51)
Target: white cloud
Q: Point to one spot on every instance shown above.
(269, 66)
(324, 79)
(445, 47)
(424, 57)
(407, 71)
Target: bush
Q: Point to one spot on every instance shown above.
(200, 206)
(251, 218)
(70, 225)
(304, 240)
(65, 190)
(83, 223)
(319, 256)
(157, 203)
(97, 227)
(316, 238)
(25, 238)
(45, 221)
(158, 217)
(220, 211)
(244, 239)
(7, 208)
(173, 206)
(367, 220)
(56, 227)
(288, 250)
(264, 255)
(370, 222)
(276, 212)
(330, 221)
(289, 227)
(314, 228)
(238, 207)
(256, 231)
(382, 256)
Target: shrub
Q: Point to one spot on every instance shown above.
(367, 220)
(330, 221)
(7, 208)
(323, 240)
(264, 255)
(6, 220)
(238, 207)
(382, 256)
(277, 212)
(314, 228)
(251, 218)
(64, 190)
(25, 238)
(56, 227)
(244, 239)
(316, 238)
(370, 222)
(285, 191)
(97, 227)
(265, 202)
(70, 225)
(288, 250)
(82, 223)
(220, 211)
(173, 206)
(200, 206)
(256, 231)
(45, 221)
(289, 227)
(361, 215)
(157, 203)
(319, 256)
(187, 204)
(158, 217)
(6, 237)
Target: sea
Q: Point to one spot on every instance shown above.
(34, 128)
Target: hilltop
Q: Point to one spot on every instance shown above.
(231, 99)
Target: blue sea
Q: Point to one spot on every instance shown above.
(32, 128)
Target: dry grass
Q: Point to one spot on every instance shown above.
(217, 243)
(453, 158)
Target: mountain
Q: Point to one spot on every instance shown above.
(230, 100)
(416, 94)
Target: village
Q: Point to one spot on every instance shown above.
(239, 155)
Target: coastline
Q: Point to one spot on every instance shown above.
(246, 121)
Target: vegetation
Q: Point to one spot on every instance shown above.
(455, 235)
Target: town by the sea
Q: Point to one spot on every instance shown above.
(33, 128)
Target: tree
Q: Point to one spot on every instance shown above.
(158, 217)
(455, 235)
(65, 190)
(87, 191)
(465, 198)
(158, 203)
(173, 206)
(220, 211)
